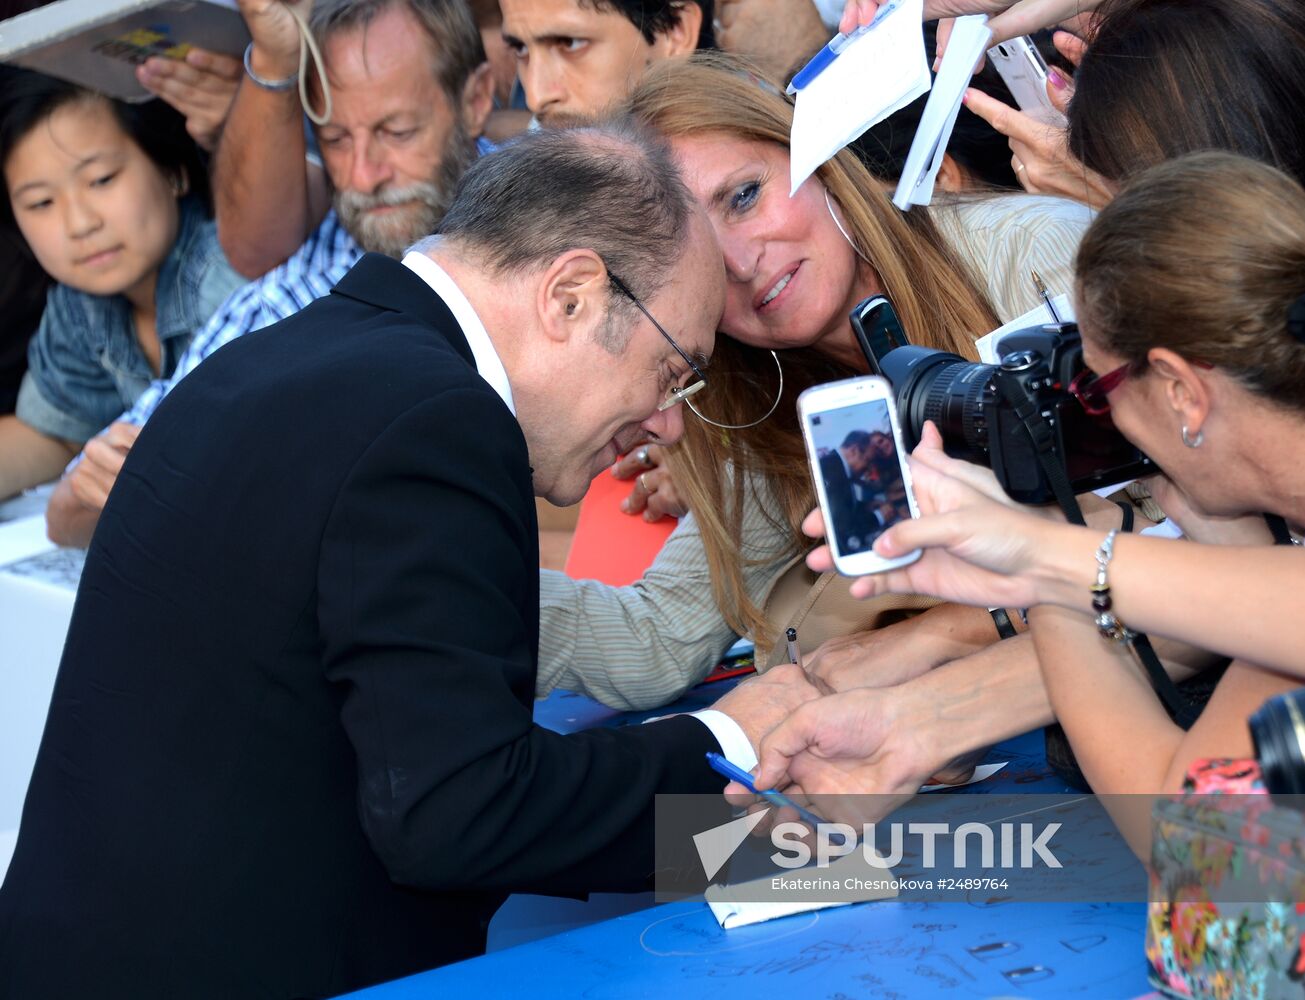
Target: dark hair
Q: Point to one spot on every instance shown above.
(975, 145)
(611, 188)
(1204, 255)
(1167, 77)
(655, 17)
(28, 98)
(856, 439)
(457, 47)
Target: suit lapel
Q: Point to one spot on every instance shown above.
(385, 283)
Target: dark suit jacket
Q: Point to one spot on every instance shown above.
(290, 750)
(848, 516)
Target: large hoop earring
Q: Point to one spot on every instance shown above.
(765, 416)
(850, 242)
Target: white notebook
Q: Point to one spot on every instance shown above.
(99, 43)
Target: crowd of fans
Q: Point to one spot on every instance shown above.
(1169, 209)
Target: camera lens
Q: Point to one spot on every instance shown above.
(944, 388)
(954, 401)
(1278, 732)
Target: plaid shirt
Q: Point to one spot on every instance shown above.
(308, 274)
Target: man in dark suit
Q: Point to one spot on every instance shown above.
(840, 469)
(290, 750)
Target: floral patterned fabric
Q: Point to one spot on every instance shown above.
(1225, 840)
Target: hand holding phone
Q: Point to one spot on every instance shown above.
(1022, 68)
(858, 463)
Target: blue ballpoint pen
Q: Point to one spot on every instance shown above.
(822, 59)
(778, 799)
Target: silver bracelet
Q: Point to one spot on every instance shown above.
(276, 86)
(1107, 623)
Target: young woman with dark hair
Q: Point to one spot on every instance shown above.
(112, 201)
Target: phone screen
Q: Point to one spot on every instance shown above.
(861, 473)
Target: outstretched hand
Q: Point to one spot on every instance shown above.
(979, 543)
(1009, 18)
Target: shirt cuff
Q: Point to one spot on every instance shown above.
(734, 745)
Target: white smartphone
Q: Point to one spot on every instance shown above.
(1021, 67)
(859, 466)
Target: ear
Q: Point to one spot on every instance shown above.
(477, 99)
(952, 177)
(572, 297)
(1184, 386)
(681, 38)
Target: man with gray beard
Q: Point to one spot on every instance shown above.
(410, 90)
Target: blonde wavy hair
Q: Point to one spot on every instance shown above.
(939, 302)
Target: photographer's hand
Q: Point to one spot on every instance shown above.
(980, 546)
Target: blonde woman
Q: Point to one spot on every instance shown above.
(795, 268)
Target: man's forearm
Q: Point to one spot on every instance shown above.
(260, 177)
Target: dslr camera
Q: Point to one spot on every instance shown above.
(1018, 417)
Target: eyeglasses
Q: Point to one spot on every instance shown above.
(678, 394)
(1091, 389)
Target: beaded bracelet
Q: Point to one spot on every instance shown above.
(1107, 623)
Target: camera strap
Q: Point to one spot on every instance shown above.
(1044, 445)
(1278, 528)
(1182, 711)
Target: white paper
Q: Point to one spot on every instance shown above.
(732, 915)
(980, 773)
(883, 70)
(23, 538)
(968, 41)
(987, 344)
(873, 881)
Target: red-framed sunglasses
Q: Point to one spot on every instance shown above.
(1092, 390)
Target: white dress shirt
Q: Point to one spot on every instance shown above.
(488, 363)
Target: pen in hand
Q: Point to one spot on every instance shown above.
(777, 799)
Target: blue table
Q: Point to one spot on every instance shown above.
(886, 948)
